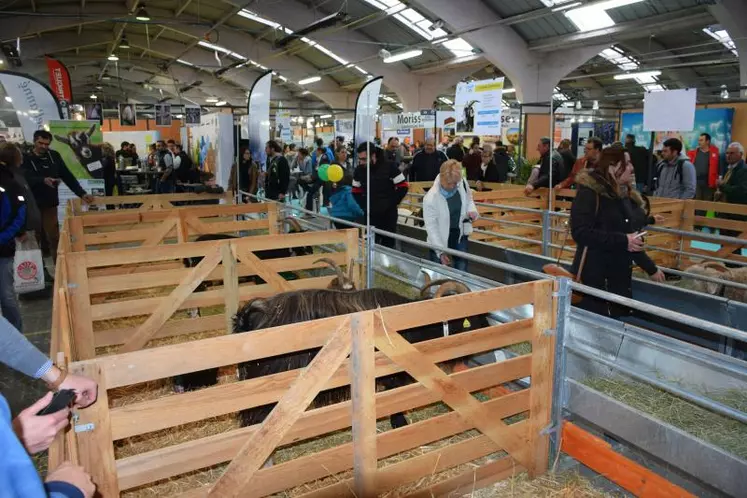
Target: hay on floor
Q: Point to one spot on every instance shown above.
(568, 484)
(721, 431)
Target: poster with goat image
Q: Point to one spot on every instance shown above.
(478, 107)
(79, 144)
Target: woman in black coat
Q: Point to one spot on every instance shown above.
(607, 222)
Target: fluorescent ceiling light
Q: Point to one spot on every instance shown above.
(305, 92)
(283, 78)
(212, 100)
(409, 54)
(182, 61)
(446, 101)
(113, 58)
(256, 18)
(312, 79)
(8, 99)
(360, 70)
(509, 90)
(631, 76)
(221, 103)
(326, 116)
(400, 106)
(142, 14)
(595, 16)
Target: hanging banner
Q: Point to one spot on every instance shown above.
(127, 115)
(716, 122)
(259, 117)
(510, 126)
(283, 125)
(163, 114)
(670, 110)
(421, 119)
(345, 128)
(211, 144)
(26, 105)
(79, 144)
(192, 114)
(478, 107)
(94, 112)
(59, 82)
(366, 107)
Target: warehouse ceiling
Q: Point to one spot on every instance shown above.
(187, 51)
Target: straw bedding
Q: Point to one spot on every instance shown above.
(721, 431)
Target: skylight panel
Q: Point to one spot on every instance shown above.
(458, 47)
(595, 16)
(723, 36)
(256, 18)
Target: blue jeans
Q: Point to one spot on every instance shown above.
(8, 297)
(458, 244)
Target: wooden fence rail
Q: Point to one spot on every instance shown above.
(291, 422)
(146, 202)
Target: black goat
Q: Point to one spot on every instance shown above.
(304, 305)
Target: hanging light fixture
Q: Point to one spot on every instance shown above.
(595, 105)
(113, 57)
(106, 76)
(93, 96)
(724, 92)
(123, 43)
(142, 14)
(578, 105)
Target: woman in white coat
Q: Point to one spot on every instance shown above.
(448, 211)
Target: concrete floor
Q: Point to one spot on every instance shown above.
(19, 390)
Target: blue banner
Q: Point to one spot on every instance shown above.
(715, 122)
(259, 117)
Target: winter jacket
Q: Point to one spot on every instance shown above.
(568, 159)
(558, 170)
(503, 164)
(604, 230)
(641, 160)
(675, 180)
(491, 174)
(248, 174)
(327, 151)
(33, 215)
(735, 190)
(344, 205)
(388, 188)
(18, 476)
(436, 213)
(277, 177)
(50, 165)
(12, 213)
(457, 152)
(581, 164)
(425, 167)
(471, 163)
(714, 163)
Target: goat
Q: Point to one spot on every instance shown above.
(718, 270)
(87, 153)
(312, 304)
(341, 281)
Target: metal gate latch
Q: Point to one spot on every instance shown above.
(81, 427)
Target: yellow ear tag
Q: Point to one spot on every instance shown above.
(466, 324)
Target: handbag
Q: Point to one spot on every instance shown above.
(555, 270)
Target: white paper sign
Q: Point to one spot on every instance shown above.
(478, 106)
(670, 110)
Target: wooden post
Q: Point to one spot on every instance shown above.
(182, 229)
(171, 303)
(76, 233)
(160, 232)
(543, 354)
(272, 218)
(363, 385)
(95, 443)
(230, 285)
(237, 477)
(259, 268)
(351, 246)
(80, 308)
(688, 224)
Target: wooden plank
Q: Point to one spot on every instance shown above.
(721, 207)
(362, 374)
(146, 306)
(171, 411)
(233, 226)
(76, 234)
(414, 469)
(739, 226)
(598, 455)
(730, 248)
(258, 267)
(173, 460)
(273, 222)
(128, 256)
(470, 481)
(351, 255)
(158, 235)
(338, 459)
(230, 286)
(389, 342)
(95, 446)
(186, 326)
(182, 229)
(543, 355)
(258, 448)
(170, 304)
(80, 301)
(126, 236)
(177, 359)
(162, 278)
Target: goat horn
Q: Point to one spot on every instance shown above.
(442, 282)
(716, 266)
(453, 285)
(334, 266)
(427, 280)
(293, 223)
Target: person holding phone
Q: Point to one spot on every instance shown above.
(605, 223)
(448, 211)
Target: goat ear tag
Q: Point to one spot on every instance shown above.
(96, 165)
(466, 324)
